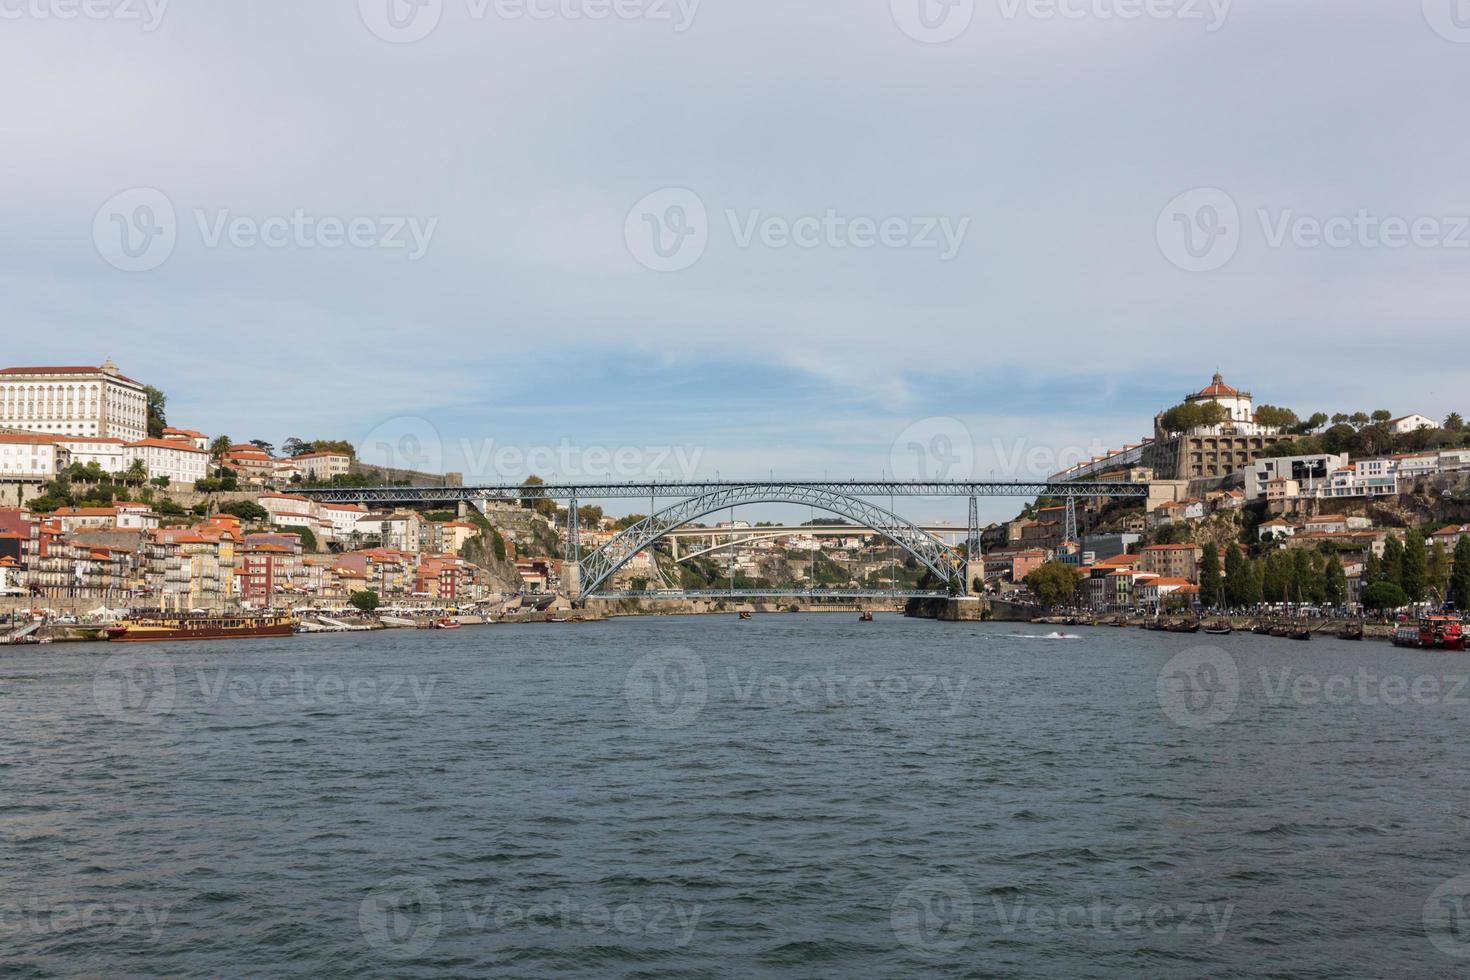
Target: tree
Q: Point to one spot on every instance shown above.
(1384, 595)
(1210, 582)
(1237, 578)
(1382, 416)
(364, 601)
(1415, 578)
(534, 498)
(589, 516)
(1339, 438)
(308, 538)
(1393, 561)
(137, 472)
(295, 447)
(220, 446)
(1276, 578)
(1438, 581)
(1314, 423)
(1278, 418)
(1359, 419)
(1335, 583)
(157, 401)
(263, 446)
(1454, 423)
(248, 511)
(1460, 577)
(1053, 582)
(1193, 415)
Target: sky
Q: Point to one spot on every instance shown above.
(738, 237)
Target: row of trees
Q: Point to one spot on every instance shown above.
(1409, 572)
(1358, 433)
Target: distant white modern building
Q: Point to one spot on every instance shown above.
(1306, 471)
(74, 401)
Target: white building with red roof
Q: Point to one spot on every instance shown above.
(74, 401)
(1238, 404)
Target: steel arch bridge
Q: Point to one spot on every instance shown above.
(947, 563)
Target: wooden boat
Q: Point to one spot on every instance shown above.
(1281, 632)
(555, 619)
(1301, 634)
(445, 624)
(1184, 628)
(1220, 629)
(1350, 633)
(865, 617)
(166, 626)
(744, 615)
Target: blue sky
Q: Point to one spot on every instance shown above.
(1074, 153)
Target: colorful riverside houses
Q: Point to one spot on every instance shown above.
(195, 567)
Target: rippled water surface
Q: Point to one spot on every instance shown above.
(698, 797)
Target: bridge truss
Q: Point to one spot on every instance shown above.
(698, 499)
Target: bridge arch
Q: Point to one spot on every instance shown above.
(944, 561)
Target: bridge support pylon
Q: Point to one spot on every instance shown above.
(974, 557)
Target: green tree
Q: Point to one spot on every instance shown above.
(1460, 577)
(1280, 418)
(1237, 578)
(1335, 583)
(220, 446)
(1454, 423)
(1393, 561)
(534, 498)
(1384, 595)
(308, 538)
(1193, 415)
(364, 601)
(157, 420)
(1439, 572)
(1415, 578)
(1210, 582)
(1276, 577)
(1382, 416)
(1053, 582)
(247, 510)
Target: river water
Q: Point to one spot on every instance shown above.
(792, 796)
